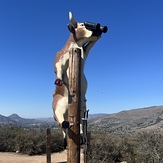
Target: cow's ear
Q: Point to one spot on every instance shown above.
(71, 28)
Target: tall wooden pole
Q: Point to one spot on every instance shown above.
(73, 154)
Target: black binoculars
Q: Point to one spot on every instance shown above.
(96, 28)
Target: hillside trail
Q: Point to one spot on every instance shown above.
(8, 157)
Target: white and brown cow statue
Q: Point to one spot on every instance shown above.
(83, 36)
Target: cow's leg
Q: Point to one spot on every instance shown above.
(64, 138)
(60, 112)
(60, 105)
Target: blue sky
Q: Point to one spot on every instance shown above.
(124, 69)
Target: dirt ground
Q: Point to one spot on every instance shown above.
(7, 157)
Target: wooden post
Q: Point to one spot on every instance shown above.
(73, 154)
(48, 145)
(88, 146)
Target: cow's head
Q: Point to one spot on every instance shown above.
(86, 31)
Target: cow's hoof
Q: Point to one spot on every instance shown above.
(65, 143)
(65, 124)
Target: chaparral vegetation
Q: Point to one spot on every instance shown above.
(28, 141)
(140, 147)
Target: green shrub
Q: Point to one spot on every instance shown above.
(56, 141)
(109, 148)
(143, 147)
(28, 141)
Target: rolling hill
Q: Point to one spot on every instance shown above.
(150, 118)
(15, 119)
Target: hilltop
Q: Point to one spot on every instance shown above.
(149, 118)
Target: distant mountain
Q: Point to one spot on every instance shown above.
(5, 120)
(18, 119)
(14, 119)
(150, 118)
(90, 116)
(131, 120)
(50, 119)
(14, 116)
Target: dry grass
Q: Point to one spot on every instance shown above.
(8, 157)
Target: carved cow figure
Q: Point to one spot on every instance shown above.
(83, 38)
